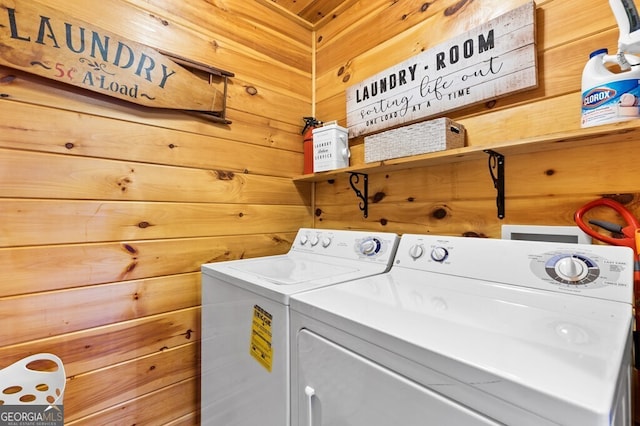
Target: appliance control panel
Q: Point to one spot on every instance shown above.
(354, 245)
(591, 270)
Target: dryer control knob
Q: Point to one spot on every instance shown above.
(326, 242)
(416, 251)
(315, 240)
(304, 239)
(439, 254)
(571, 269)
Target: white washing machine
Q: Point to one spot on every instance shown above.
(245, 319)
(467, 331)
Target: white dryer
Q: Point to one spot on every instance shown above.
(245, 319)
(467, 331)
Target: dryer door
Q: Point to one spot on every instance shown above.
(339, 387)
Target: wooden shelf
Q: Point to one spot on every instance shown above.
(629, 130)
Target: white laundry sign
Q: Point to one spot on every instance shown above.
(491, 60)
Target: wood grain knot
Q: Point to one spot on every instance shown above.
(621, 198)
(424, 7)
(143, 224)
(439, 213)
(383, 222)
(378, 196)
(472, 234)
(69, 145)
(318, 212)
(452, 10)
(130, 249)
(131, 266)
(224, 175)
(162, 21)
(123, 182)
(251, 90)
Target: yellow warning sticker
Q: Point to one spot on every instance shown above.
(260, 347)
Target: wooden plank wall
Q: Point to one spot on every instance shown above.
(108, 209)
(542, 188)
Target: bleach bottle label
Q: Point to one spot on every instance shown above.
(611, 102)
(608, 96)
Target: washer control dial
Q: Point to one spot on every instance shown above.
(315, 240)
(572, 269)
(326, 242)
(439, 254)
(416, 251)
(304, 239)
(370, 246)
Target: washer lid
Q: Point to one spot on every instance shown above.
(316, 258)
(290, 271)
(546, 352)
(278, 277)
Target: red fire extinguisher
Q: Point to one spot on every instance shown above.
(310, 123)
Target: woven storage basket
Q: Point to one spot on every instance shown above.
(420, 138)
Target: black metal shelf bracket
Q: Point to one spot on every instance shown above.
(363, 195)
(496, 169)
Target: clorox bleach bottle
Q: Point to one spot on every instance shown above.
(608, 96)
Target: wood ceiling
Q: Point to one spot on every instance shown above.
(310, 10)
